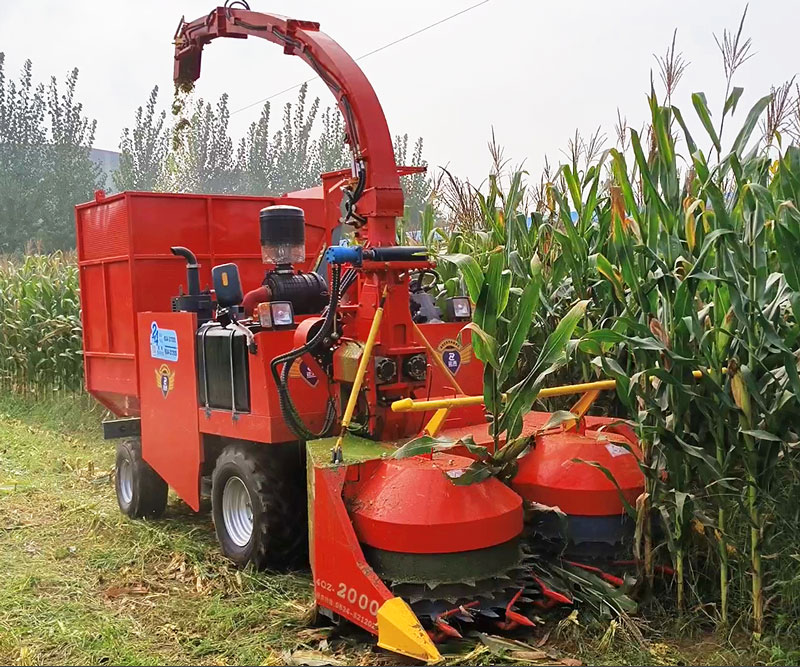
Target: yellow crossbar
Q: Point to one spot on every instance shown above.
(410, 405)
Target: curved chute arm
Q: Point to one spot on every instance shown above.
(375, 199)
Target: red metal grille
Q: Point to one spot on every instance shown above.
(104, 230)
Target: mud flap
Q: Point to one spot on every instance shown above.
(168, 390)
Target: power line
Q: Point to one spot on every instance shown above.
(366, 55)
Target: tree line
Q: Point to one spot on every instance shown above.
(46, 138)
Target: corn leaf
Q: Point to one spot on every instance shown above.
(701, 106)
(425, 444)
(520, 326)
(733, 100)
(470, 270)
(750, 124)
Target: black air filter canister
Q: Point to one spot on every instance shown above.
(307, 292)
(283, 234)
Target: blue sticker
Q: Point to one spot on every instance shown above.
(308, 375)
(452, 359)
(163, 343)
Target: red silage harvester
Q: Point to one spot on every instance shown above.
(243, 397)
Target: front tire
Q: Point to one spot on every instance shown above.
(258, 510)
(141, 493)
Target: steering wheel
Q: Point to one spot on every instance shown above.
(418, 282)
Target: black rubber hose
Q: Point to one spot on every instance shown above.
(293, 418)
(348, 279)
(288, 410)
(362, 181)
(352, 196)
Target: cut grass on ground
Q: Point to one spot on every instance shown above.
(81, 584)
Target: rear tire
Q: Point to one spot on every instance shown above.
(258, 506)
(141, 493)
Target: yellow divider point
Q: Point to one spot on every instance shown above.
(399, 630)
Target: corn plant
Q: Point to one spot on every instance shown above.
(40, 336)
(686, 259)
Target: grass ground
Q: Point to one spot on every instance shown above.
(80, 584)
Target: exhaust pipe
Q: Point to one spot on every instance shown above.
(192, 273)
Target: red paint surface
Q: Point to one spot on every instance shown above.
(343, 581)
(367, 132)
(264, 422)
(548, 474)
(410, 506)
(126, 268)
(170, 437)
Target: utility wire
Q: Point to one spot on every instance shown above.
(369, 53)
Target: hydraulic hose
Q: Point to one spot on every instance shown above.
(288, 409)
(348, 279)
(351, 197)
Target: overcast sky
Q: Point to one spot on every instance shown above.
(534, 70)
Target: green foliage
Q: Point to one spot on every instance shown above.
(143, 150)
(289, 159)
(40, 339)
(45, 168)
(416, 187)
(196, 154)
(684, 260)
(202, 158)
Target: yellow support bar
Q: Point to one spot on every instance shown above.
(436, 422)
(567, 389)
(359, 378)
(410, 405)
(437, 359)
(581, 407)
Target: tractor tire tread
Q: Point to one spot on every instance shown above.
(282, 536)
(150, 491)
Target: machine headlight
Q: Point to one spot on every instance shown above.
(265, 315)
(282, 314)
(458, 308)
(275, 314)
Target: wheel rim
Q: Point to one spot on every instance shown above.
(237, 511)
(125, 481)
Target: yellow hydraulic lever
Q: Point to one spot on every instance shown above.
(359, 378)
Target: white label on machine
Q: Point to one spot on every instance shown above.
(616, 450)
(163, 343)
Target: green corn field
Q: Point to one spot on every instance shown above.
(40, 340)
(677, 254)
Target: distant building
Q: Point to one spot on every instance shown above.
(108, 161)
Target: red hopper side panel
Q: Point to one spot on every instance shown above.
(126, 267)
